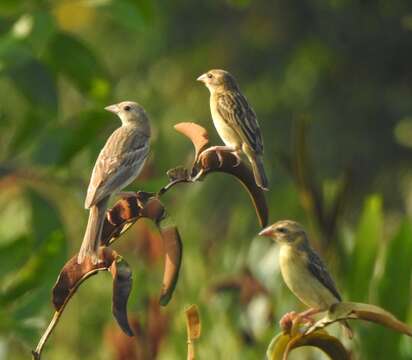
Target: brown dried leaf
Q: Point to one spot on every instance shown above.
(173, 259)
(210, 163)
(196, 133)
(73, 274)
(193, 324)
(122, 286)
(360, 311)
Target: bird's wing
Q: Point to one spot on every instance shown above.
(318, 269)
(118, 164)
(236, 112)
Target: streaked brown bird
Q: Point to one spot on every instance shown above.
(303, 270)
(235, 121)
(118, 164)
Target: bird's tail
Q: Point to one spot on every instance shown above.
(91, 240)
(259, 172)
(347, 329)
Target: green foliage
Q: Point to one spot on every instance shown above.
(343, 65)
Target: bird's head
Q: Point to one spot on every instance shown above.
(285, 232)
(130, 112)
(218, 80)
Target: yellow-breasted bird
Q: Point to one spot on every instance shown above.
(118, 164)
(235, 121)
(303, 270)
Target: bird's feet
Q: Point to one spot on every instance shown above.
(293, 317)
(221, 149)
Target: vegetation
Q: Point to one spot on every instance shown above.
(330, 84)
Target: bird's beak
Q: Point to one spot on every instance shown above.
(268, 232)
(112, 108)
(202, 78)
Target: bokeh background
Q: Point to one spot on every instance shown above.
(331, 82)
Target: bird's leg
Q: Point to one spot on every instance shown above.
(287, 320)
(306, 315)
(219, 149)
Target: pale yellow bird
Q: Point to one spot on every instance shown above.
(118, 164)
(302, 269)
(235, 121)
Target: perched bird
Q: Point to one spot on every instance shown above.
(235, 122)
(118, 164)
(302, 269)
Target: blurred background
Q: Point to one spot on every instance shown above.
(331, 82)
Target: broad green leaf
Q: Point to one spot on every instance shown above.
(45, 218)
(393, 292)
(76, 61)
(367, 241)
(40, 270)
(34, 80)
(128, 13)
(86, 124)
(14, 254)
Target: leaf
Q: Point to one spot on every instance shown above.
(38, 270)
(398, 265)
(368, 312)
(122, 286)
(173, 260)
(69, 56)
(368, 236)
(193, 327)
(86, 123)
(34, 80)
(282, 344)
(129, 14)
(209, 162)
(68, 281)
(196, 133)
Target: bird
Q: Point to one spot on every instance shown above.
(235, 122)
(118, 164)
(303, 271)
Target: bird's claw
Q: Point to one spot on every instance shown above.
(287, 320)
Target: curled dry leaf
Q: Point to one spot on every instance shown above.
(193, 327)
(282, 344)
(73, 274)
(209, 162)
(122, 286)
(360, 311)
(196, 133)
(68, 281)
(173, 259)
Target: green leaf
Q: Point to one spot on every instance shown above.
(393, 292)
(45, 217)
(367, 240)
(86, 124)
(14, 254)
(68, 55)
(40, 270)
(34, 80)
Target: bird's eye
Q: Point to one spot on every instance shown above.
(126, 108)
(282, 230)
(209, 75)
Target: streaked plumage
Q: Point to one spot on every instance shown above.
(118, 164)
(235, 121)
(302, 269)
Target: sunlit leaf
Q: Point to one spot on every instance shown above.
(367, 241)
(282, 344)
(368, 312)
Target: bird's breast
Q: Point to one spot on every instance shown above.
(226, 132)
(306, 287)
